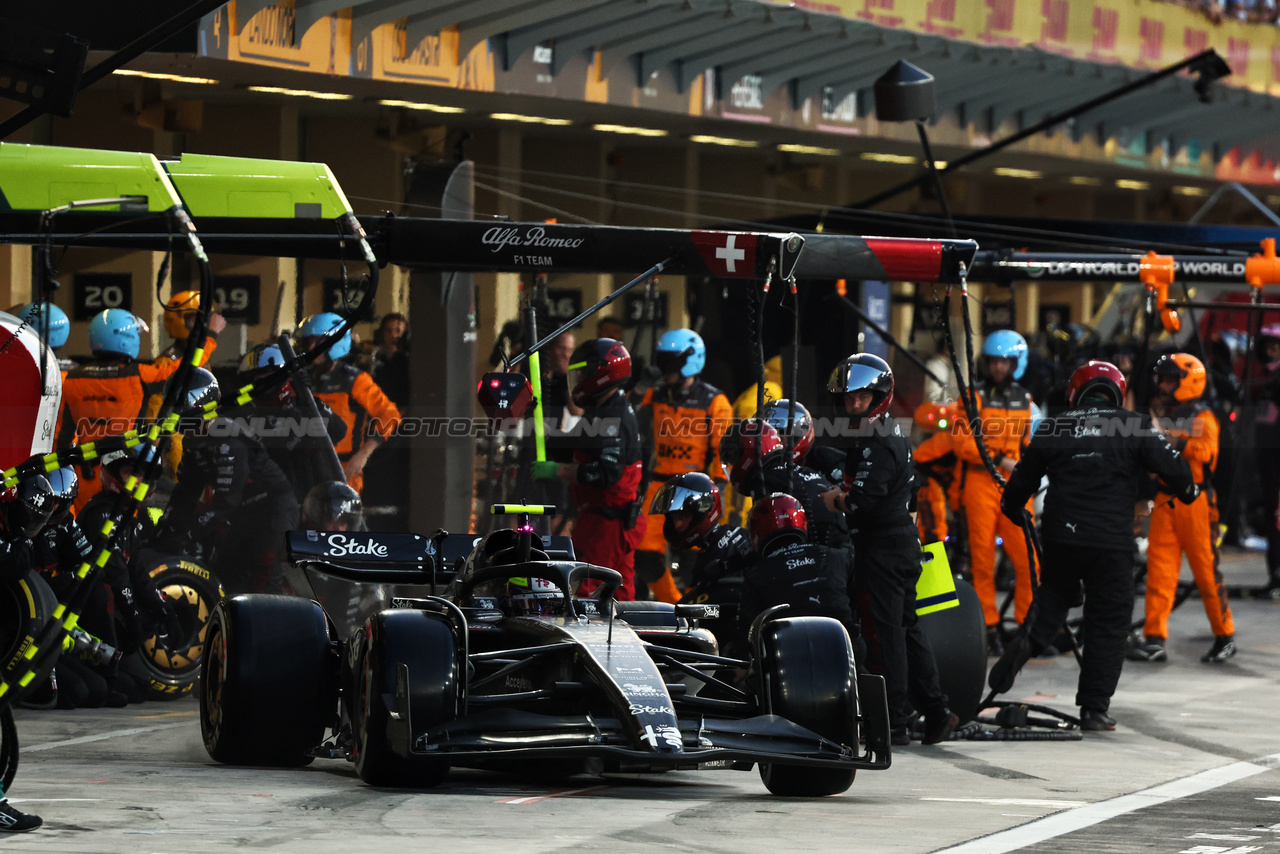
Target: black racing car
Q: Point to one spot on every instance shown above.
(509, 669)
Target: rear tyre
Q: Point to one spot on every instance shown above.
(406, 662)
(192, 592)
(810, 679)
(958, 638)
(268, 686)
(26, 605)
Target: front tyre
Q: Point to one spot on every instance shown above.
(268, 681)
(406, 678)
(809, 678)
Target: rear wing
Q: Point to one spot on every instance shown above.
(394, 558)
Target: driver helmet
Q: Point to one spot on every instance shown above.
(321, 324)
(597, 366)
(27, 505)
(777, 519)
(59, 327)
(116, 332)
(681, 351)
(199, 398)
(180, 306)
(864, 372)
(261, 361)
(747, 447)
(778, 413)
(534, 596)
(1097, 377)
(1007, 344)
(65, 484)
(332, 506)
(692, 506)
(1187, 370)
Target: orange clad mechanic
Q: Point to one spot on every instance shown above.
(1178, 528)
(684, 419)
(370, 416)
(1006, 414)
(935, 460)
(107, 396)
(179, 318)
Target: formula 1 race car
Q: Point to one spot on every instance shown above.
(509, 669)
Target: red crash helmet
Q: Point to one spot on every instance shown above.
(864, 372)
(1097, 377)
(747, 447)
(777, 516)
(597, 366)
(778, 413)
(691, 500)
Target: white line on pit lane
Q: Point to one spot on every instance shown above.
(1012, 802)
(1081, 817)
(102, 736)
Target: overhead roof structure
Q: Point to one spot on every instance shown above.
(811, 49)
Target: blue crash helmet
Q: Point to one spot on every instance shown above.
(322, 324)
(1007, 344)
(681, 351)
(115, 331)
(59, 326)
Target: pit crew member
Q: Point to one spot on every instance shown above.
(1097, 455)
(605, 474)
(1190, 529)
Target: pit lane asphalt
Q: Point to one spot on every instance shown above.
(138, 781)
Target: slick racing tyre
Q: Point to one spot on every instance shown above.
(192, 592)
(26, 605)
(809, 677)
(958, 638)
(410, 658)
(268, 685)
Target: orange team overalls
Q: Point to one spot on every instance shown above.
(1006, 422)
(935, 461)
(686, 437)
(108, 398)
(355, 398)
(1178, 528)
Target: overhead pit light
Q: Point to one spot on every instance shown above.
(155, 75)
(627, 129)
(1126, 184)
(1009, 172)
(881, 157)
(530, 120)
(939, 164)
(809, 149)
(1084, 181)
(418, 105)
(1187, 190)
(723, 140)
(302, 93)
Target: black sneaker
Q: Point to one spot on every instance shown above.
(1224, 646)
(1092, 720)
(939, 728)
(900, 736)
(1152, 649)
(12, 821)
(995, 646)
